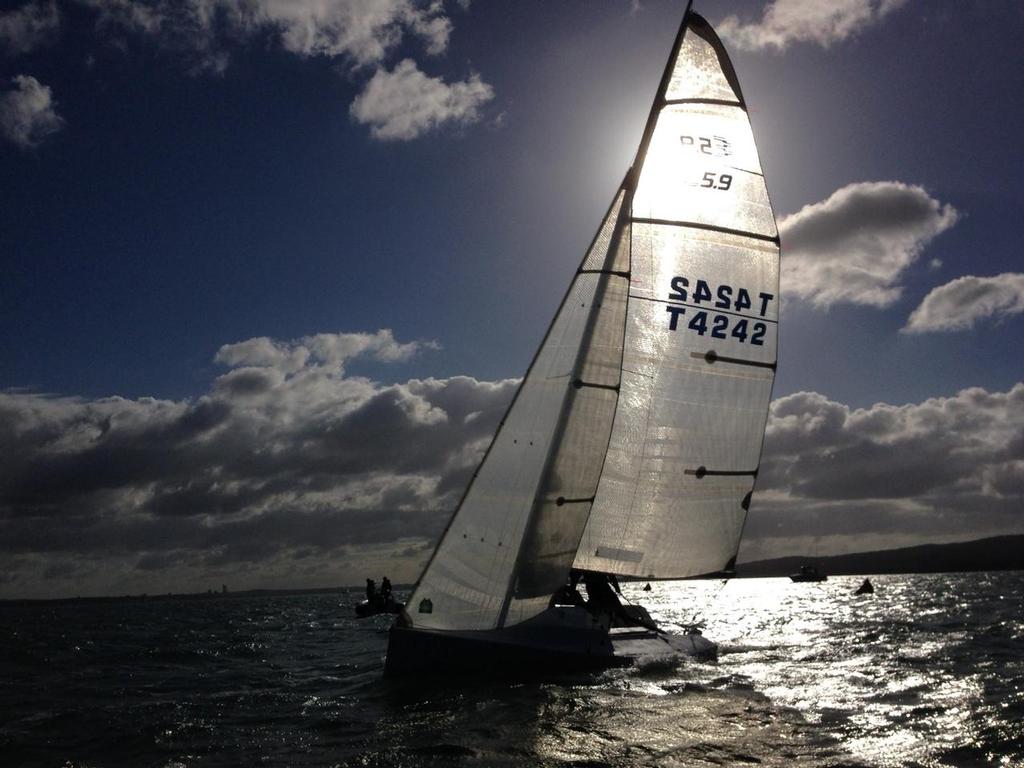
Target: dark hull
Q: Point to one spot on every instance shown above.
(535, 650)
(366, 608)
(495, 654)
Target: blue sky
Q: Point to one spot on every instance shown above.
(269, 269)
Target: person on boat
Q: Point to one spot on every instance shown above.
(371, 591)
(385, 589)
(600, 597)
(569, 594)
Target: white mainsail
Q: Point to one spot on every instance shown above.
(633, 442)
(701, 336)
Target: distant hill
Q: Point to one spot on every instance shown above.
(999, 553)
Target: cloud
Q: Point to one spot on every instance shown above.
(960, 303)
(806, 21)
(27, 28)
(330, 349)
(27, 115)
(404, 103)
(944, 468)
(291, 471)
(286, 458)
(360, 32)
(855, 246)
(399, 104)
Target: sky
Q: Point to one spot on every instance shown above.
(270, 271)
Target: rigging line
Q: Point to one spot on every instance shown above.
(638, 373)
(715, 598)
(744, 170)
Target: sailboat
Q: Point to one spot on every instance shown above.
(632, 445)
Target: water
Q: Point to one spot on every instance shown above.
(929, 671)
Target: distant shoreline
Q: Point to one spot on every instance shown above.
(995, 553)
(209, 595)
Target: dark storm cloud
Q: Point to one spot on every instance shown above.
(292, 454)
(289, 459)
(946, 466)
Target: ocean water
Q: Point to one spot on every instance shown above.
(928, 671)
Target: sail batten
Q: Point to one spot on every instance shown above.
(718, 102)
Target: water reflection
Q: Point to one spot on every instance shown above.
(892, 675)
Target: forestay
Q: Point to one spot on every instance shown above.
(701, 334)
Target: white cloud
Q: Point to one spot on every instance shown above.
(285, 454)
(945, 468)
(25, 29)
(798, 21)
(363, 30)
(27, 115)
(330, 349)
(360, 31)
(961, 303)
(289, 459)
(855, 246)
(404, 103)
(398, 104)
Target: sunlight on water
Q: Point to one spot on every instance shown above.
(891, 675)
(928, 672)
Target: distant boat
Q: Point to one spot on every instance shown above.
(633, 443)
(808, 573)
(866, 588)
